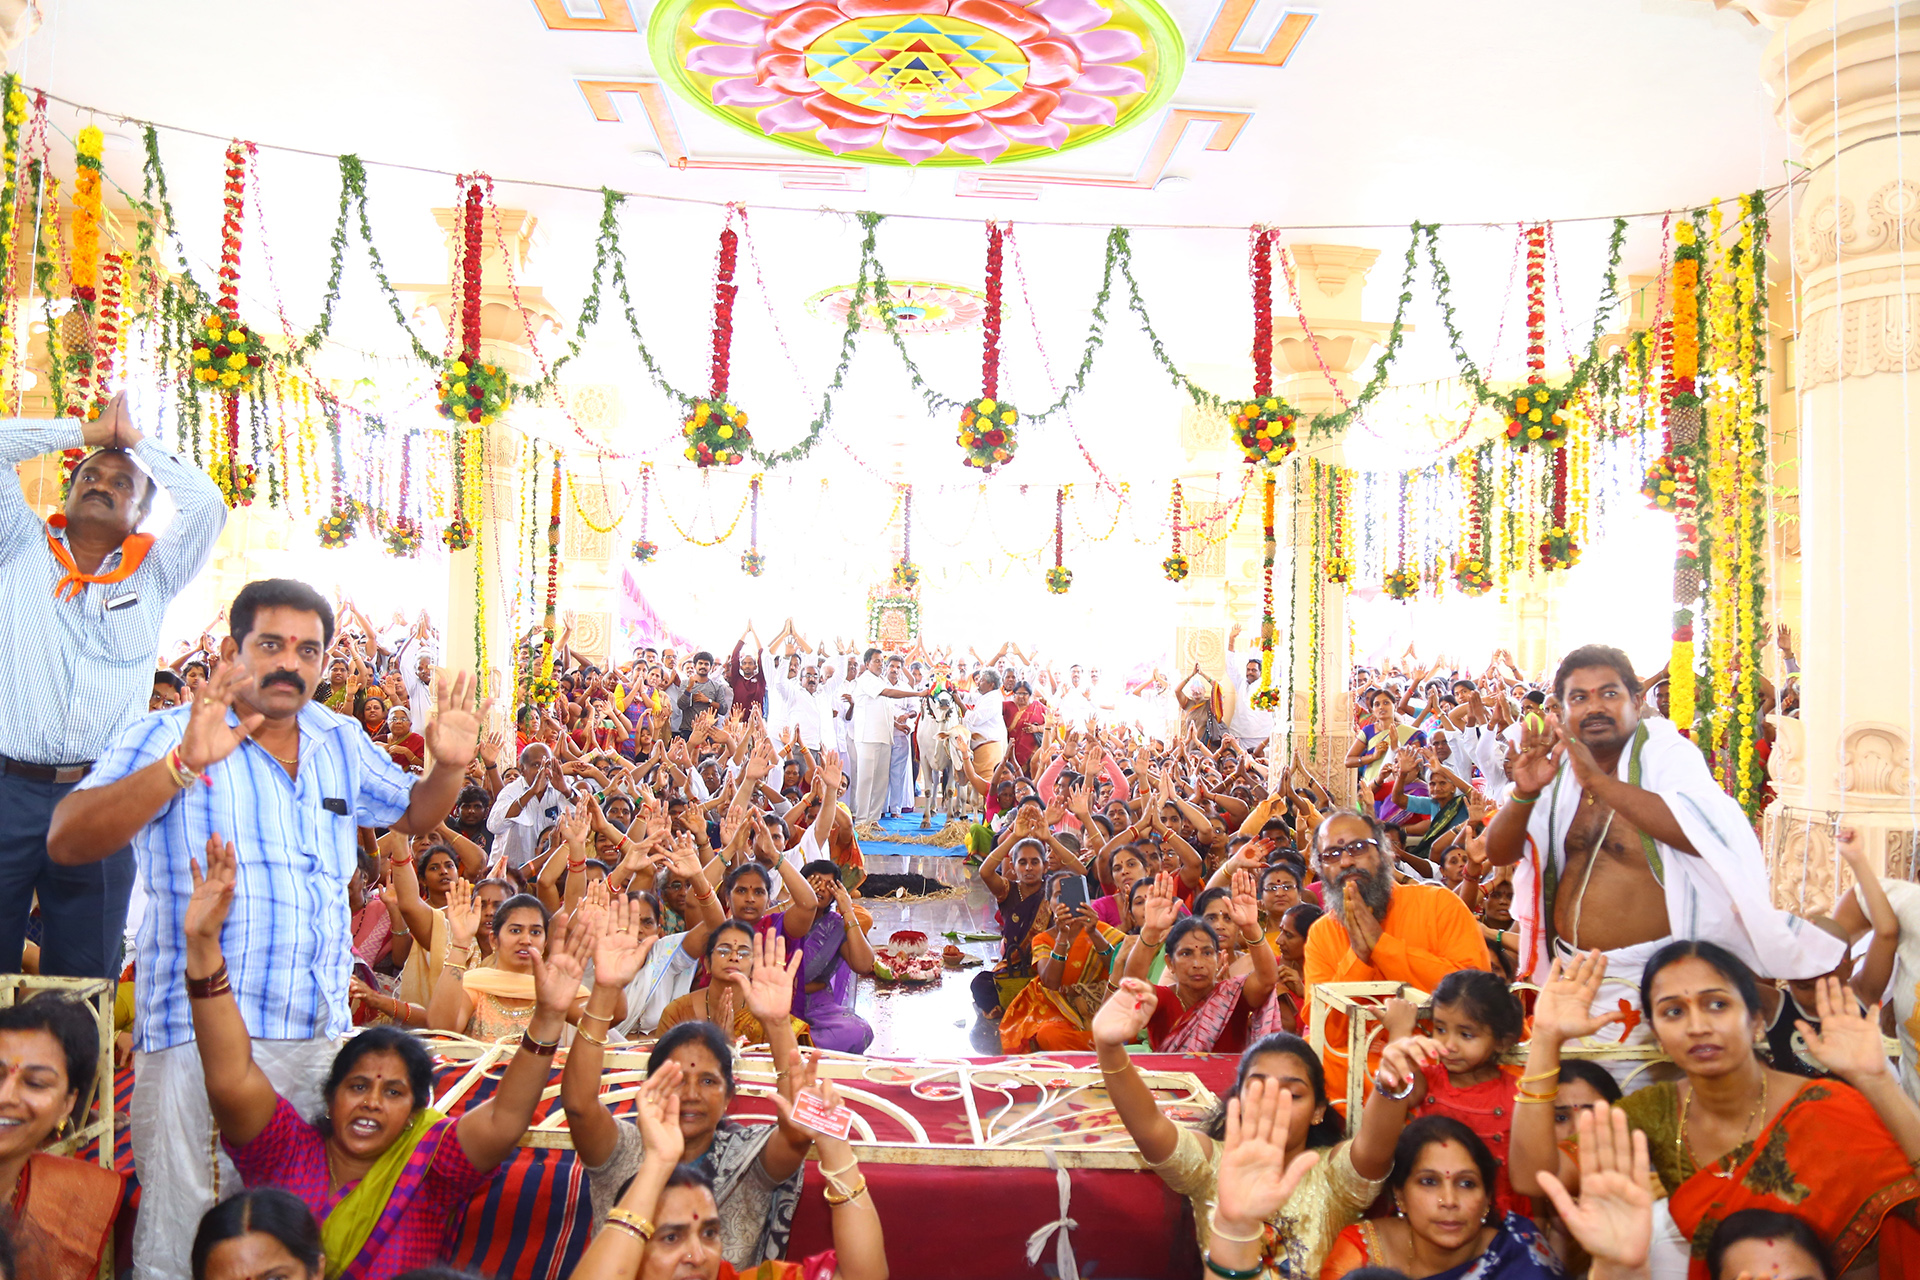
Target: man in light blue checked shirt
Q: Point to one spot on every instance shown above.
(252, 759)
(82, 597)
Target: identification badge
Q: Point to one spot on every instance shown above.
(810, 1111)
(123, 602)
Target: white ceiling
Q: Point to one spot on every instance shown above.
(1483, 110)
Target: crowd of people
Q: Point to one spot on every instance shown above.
(325, 851)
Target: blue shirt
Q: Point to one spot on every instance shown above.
(79, 671)
(288, 938)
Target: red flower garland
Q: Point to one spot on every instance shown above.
(1536, 303)
(1059, 578)
(715, 429)
(470, 270)
(234, 206)
(1175, 566)
(1339, 564)
(988, 423)
(724, 292)
(1262, 265)
(1263, 426)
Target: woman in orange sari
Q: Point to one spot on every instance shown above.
(1072, 965)
(62, 1212)
(1734, 1133)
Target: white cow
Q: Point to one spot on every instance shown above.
(941, 733)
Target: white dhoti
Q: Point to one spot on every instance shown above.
(1619, 993)
(176, 1148)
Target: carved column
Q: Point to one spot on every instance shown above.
(1833, 68)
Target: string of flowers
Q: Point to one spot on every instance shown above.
(1059, 577)
(1402, 582)
(1751, 532)
(1263, 426)
(1175, 566)
(739, 514)
(989, 426)
(404, 533)
(906, 574)
(1682, 444)
(1266, 697)
(108, 332)
(470, 390)
(338, 526)
(1472, 572)
(459, 534)
(1340, 553)
(644, 549)
(1316, 624)
(84, 271)
(544, 688)
(715, 430)
(752, 563)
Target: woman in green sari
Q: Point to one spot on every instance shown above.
(380, 1170)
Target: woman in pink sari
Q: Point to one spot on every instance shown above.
(1201, 1012)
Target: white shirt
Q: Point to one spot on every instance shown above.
(1248, 723)
(986, 718)
(519, 837)
(666, 976)
(872, 714)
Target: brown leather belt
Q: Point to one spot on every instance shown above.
(56, 773)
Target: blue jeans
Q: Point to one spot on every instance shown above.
(83, 910)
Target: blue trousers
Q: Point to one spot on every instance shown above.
(83, 910)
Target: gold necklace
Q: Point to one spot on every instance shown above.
(1686, 1149)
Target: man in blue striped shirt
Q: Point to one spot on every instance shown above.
(253, 760)
(82, 597)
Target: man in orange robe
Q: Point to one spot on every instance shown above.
(1376, 931)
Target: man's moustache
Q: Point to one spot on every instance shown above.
(288, 678)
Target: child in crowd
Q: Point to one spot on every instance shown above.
(1475, 1020)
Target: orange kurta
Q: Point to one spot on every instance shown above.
(1428, 934)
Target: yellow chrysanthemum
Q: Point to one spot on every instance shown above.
(202, 355)
(726, 433)
(460, 368)
(987, 406)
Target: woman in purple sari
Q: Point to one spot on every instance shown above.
(837, 953)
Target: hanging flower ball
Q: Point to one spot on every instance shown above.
(242, 484)
(228, 356)
(1266, 699)
(644, 550)
(404, 537)
(906, 575)
(1175, 567)
(1264, 430)
(1471, 576)
(458, 535)
(1402, 584)
(337, 528)
(988, 432)
(716, 433)
(1537, 417)
(1558, 550)
(1339, 570)
(752, 563)
(1059, 578)
(474, 392)
(543, 690)
(1668, 483)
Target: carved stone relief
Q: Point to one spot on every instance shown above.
(1859, 338)
(591, 632)
(1204, 645)
(1874, 761)
(1206, 560)
(1788, 763)
(584, 542)
(1203, 428)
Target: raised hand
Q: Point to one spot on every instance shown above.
(656, 1110)
(463, 914)
(556, 979)
(492, 746)
(1563, 1009)
(1533, 769)
(1254, 1179)
(1613, 1218)
(767, 989)
(1244, 907)
(212, 895)
(1122, 1019)
(453, 735)
(1847, 1042)
(1157, 910)
(1401, 1060)
(208, 737)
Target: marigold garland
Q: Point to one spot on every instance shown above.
(13, 114)
(643, 550)
(1059, 577)
(1263, 426)
(1668, 483)
(472, 390)
(549, 631)
(906, 574)
(1175, 566)
(1401, 584)
(1266, 697)
(1558, 550)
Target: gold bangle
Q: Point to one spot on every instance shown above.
(1541, 1075)
(844, 1197)
(1213, 1226)
(1114, 1071)
(597, 1017)
(580, 1033)
(450, 967)
(627, 1220)
(1538, 1099)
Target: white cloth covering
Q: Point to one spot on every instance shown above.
(1719, 893)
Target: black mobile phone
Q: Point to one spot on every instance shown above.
(1073, 893)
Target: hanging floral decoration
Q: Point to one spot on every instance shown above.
(1403, 582)
(752, 563)
(1059, 577)
(229, 359)
(84, 393)
(472, 390)
(106, 329)
(1536, 416)
(544, 688)
(1558, 550)
(715, 428)
(1263, 426)
(1175, 566)
(338, 526)
(645, 549)
(1668, 483)
(906, 574)
(403, 533)
(1339, 529)
(1472, 565)
(459, 533)
(989, 425)
(13, 114)
(1266, 697)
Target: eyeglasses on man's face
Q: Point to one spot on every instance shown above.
(1351, 849)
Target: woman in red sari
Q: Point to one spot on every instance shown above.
(1735, 1133)
(1201, 1012)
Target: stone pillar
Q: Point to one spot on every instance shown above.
(1833, 68)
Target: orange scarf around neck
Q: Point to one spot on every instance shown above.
(132, 552)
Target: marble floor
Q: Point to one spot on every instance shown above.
(932, 1021)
